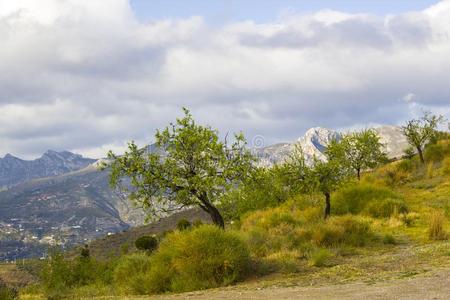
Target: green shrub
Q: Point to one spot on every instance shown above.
(59, 275)
(183, 224)
(56, 275)
(347, 230)
(201, 258)
(354, 198)
(437, 152)
(284, 261)
(146, 243)
(7, 293)
(445, 168)
(389, 239)
(320, 258)
(384, 208)
(130, 272)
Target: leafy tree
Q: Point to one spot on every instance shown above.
(360, 150)
(264, 187)
(195, 169)
(419, 132)
(321, 176)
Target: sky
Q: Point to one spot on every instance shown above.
(89, 76)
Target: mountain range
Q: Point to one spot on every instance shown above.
(63, 198)
(14, 171)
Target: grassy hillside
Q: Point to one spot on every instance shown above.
(391, 224)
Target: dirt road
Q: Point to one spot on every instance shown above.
(433, 285)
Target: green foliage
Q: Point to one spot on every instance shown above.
(445, 169)
(348, 230)
(146, 243)
(438, 151)
(264, 187)
(196, 168)
(409, 153)
(287, 228)
(84, 252)
(322, 176)
(130, 273)
(183, 224)
(201, 258)
(384, 208)
(368, 198)
(360, 151)
(59, 275)
(389, 239)
(7, 293)
(419, 132)
(320, 258)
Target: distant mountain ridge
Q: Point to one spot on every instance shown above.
(14, 171)
(316, 140)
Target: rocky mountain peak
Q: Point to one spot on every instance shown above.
(14, 170)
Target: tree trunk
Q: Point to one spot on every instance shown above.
(216, 217)
(419, 150)
(213, 212)
(327, 205)
(358, 172)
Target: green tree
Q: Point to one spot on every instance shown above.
(419, 132)
(320, 176)
(195, 169)
(264, 187)
(360, 150)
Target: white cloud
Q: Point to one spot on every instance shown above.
(88, 76)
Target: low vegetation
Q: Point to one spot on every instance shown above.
(274, 222)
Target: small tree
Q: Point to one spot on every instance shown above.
(419, 132)
(195, 169)
(320, 176)
(360, 150)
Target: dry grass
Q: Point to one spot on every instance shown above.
(437, 231)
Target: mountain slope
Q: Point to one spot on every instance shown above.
(14, 170)
(67, 209)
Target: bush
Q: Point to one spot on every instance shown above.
(385, 208)
(436, 230)
(146, 243)
(389, 239)
(284, 261)
(437, 152)
(445, 168)
(7, 293)
(201, 258)
(183, 224)
(130, 272)
(320, 258)
(59, 275)
(347, 230)
(354, 199)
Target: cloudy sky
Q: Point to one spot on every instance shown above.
(88, 76)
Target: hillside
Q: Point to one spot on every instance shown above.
(68, 209)
(393, 224)
(62, 198)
